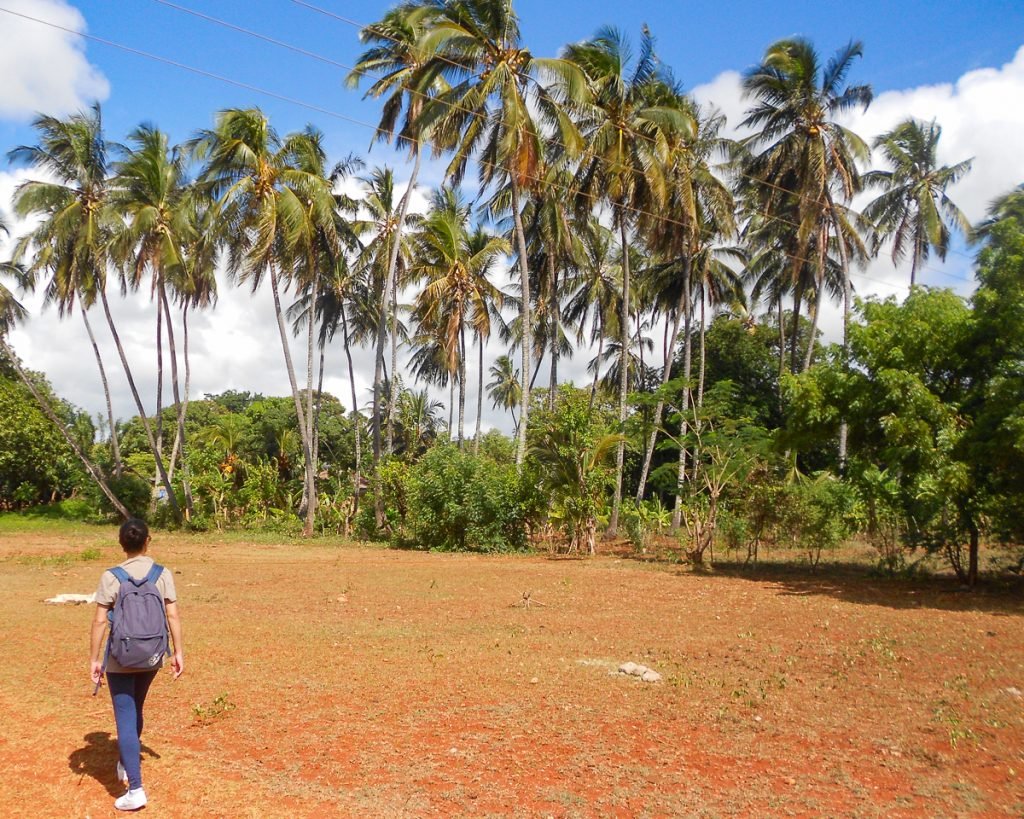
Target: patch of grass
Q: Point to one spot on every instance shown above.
(218, 707)
(61, 561)
(44, 519)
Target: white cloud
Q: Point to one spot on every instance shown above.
(44, 69)
(981, 116)
(237, 346)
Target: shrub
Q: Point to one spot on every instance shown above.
(458, 502)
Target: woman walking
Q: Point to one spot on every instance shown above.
(129, 674)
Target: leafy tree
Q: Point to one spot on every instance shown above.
(994, 443)
(572, 448)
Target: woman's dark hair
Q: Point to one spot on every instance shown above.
(133, 535)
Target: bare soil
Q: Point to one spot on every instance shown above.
(333, 680)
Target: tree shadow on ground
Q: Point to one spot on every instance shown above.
(98, 759)
(856, 583)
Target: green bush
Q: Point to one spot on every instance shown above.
(458, 502)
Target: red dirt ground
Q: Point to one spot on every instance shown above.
(344, 681)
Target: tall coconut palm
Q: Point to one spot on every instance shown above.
(594, 288)
(382, 232)
(267, 195)
(637, 117)
(803, 168)
(193, 285)
(913, 208)
(454, 262)
(499, 110)
(149, 195)
(700, 212)
(68, 244)
(504, 387)
(406, 79)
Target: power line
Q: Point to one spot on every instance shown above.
(337, 115)
(454, 106)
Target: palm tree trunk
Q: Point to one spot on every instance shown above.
(307, 448)
(159, 416)
(317, 408)
(479, 397)
(844, 262)
(666, 375)
(179, 436)
(597, 369)
(186, 477)
(703, 352)
(357, 478)
(462, 387)
(394, 357)
(451, 405)
(794, 340)
(809, 355)
(556, 323)
(171, 499)
(115, 447)
(44, 405)
(624, 335)
(677, 511)
(782, 339)
(525, 320)
(310, 420)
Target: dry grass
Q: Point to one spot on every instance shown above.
(337, 680)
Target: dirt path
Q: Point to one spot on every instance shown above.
(343, 681)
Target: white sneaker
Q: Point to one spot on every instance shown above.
(122, 774)
(132, 800)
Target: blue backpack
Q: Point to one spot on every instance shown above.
(138, 622)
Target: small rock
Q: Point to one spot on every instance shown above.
(1014, 692)
(534, 681)
(343, 598)
(757, 719)
(651, 676)
(628, 668)
(790, 780)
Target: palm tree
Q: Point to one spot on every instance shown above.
(701, 209)
(193, 285)
(914, 208)
(407, 79)
(806, 168)
(267, 195)
(154, 230)
(505, 386)
(384, 227)
(1008, 206)
(420, 421)
(69, 243)
(455, 263)
(593, 283)
(637, 117)
(498, 106)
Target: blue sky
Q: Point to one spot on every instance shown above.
(961, 63)
(906, 44)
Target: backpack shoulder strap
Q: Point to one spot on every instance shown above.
(154, 573)
(120, 574)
